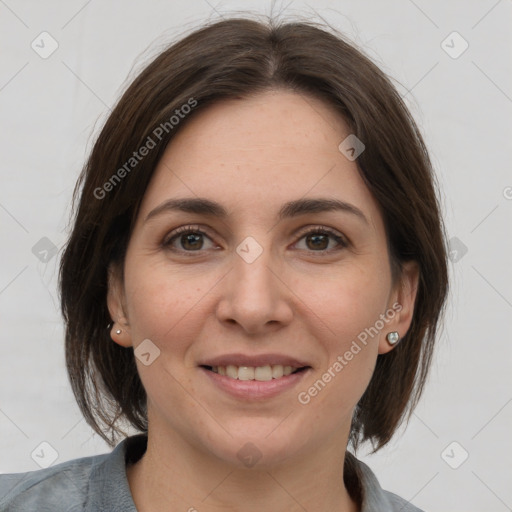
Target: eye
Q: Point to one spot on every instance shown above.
(191, 239)
(318, 239)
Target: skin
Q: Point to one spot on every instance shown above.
(252, 155)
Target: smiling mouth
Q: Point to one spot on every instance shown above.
(259, 373)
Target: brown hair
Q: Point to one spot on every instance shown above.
(235, 58)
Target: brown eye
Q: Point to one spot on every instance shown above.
(318, 240)
(190, 239)
(186, 239)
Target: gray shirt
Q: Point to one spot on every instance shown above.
(99, 484)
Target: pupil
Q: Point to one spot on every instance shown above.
(191, 238)
(316, 239)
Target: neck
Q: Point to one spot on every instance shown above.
(173, 475)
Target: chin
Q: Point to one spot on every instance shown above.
(260, 443)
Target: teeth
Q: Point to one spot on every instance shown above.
(263, 373)
(232, 371)
(245, 373)
(277, 371)
(260, 373)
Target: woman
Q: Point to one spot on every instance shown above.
(254, 280)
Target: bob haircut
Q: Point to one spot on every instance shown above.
(237, 58)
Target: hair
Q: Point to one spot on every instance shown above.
(237, 58)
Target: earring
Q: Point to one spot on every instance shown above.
(392, 337)
(119, 331)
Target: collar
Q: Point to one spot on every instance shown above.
(109, 488)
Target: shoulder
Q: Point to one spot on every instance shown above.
(399, 504)
(62, 486)
(89, 483)
(373, 497)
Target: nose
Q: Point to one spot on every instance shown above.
(254, 295)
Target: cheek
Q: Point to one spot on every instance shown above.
(349, 302)
(166, 308)
(349, 308)
(161, 302)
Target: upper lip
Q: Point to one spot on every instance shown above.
(253, 360)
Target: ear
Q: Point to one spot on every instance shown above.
(116, 304)
(402, 301)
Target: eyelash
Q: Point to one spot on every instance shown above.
(318, 230)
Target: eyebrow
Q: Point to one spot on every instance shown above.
(203, 206)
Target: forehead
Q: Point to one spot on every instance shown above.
(252, 153)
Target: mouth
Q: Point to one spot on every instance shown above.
(259, 373)
(259, 367)
(254, 377)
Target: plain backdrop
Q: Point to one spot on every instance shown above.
(455, 454)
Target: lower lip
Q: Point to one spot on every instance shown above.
(255, 389)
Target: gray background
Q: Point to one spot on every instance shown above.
(52, 107)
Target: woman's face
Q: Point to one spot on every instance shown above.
(253, 291)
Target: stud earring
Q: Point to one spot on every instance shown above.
(119, 331)
(392, 337)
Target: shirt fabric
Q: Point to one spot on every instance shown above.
(99, 484)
